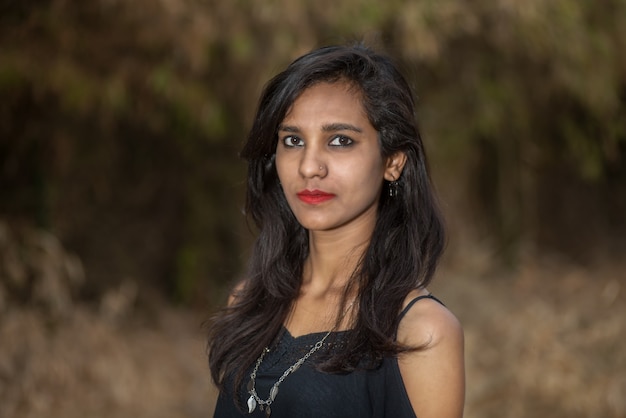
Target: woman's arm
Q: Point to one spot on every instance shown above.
(434, 377)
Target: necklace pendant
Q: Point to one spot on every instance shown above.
(273, 392)
(251, 404)
(268, 411)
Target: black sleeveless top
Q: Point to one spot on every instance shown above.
(307, 392)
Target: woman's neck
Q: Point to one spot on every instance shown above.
(326, 276)
(333, 258)
(332, 261)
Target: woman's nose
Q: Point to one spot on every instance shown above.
(313, 164)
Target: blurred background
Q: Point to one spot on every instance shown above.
(121, 190)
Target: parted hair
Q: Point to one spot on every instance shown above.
(405, 246)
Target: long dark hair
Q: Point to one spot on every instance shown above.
(406, 244)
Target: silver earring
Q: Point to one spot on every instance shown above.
(393, 188)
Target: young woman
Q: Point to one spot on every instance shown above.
(334, 318)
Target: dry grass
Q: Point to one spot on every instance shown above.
(547, 341)
(87, 366)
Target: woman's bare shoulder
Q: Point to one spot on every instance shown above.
(433, 375)
(427, 321)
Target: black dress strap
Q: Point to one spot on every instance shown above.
(414, 300)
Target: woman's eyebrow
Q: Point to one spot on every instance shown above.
(332, 127)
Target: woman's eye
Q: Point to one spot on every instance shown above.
(292, 141)
(341, 141)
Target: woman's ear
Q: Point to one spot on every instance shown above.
(394, 165)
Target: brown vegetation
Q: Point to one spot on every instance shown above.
(545, 341)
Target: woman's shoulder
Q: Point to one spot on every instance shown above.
(434, 374)
(426, 321)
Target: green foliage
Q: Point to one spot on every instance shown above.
(125, 118)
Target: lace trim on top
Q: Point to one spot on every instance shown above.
(289, 349)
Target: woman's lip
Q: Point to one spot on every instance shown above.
(314, 196)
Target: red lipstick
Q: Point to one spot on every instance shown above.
(314, 197)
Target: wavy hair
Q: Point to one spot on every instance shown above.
(405, 246)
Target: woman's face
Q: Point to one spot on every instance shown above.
(328, 159)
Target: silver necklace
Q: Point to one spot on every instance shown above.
(254, 400)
